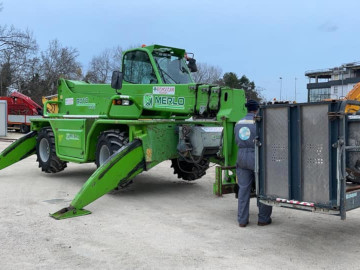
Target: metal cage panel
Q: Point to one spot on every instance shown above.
(276, 152)
(315, 153)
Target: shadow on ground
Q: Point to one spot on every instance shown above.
(144, 184)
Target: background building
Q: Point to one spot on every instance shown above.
(332, 83)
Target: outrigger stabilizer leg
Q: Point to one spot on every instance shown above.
(120, 168)
(18, 150)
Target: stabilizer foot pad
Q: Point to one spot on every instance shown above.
(69, 212)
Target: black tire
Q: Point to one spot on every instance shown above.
(189, 171)
(108, 143)
(24, 128)
(46, 152)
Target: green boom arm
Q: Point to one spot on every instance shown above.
(121, 167)
(18, 150)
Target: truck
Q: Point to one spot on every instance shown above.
(21, 109)
(151, 112)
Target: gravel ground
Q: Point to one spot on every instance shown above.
(159, 222)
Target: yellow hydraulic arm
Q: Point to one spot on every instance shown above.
(51, 107)
(354, 94)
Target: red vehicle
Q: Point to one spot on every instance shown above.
(21, 109)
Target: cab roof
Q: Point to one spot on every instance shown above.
(154, 47)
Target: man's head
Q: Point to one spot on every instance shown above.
(252, 105)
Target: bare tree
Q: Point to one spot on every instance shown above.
(22, 61)
(102, 66)
(207, 73)
(23, 70)
(14, 39)
(58, 61)
(17, 49)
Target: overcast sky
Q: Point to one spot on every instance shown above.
(264, 40)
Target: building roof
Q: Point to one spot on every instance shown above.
(320, 73)
(326, 73)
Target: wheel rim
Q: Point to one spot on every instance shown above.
(44, 150)
(104, 154)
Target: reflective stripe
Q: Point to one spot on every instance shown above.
(295, 202)
(246, 122)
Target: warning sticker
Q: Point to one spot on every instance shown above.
(69, 101)
(164, 90)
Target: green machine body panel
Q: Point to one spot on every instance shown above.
(70, 137)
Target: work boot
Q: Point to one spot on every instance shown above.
(243, 225)
(264, 223)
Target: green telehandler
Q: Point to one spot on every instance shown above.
(152, 112)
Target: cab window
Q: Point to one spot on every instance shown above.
(172, 69)
(138, 69)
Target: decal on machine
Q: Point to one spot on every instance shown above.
(169, 102)
(72, 137)
(151, 101)
(148, 101)
(85, 102)
(164, 90)
(82, 100)
(69, 101)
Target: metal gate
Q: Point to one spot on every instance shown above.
(306, 155)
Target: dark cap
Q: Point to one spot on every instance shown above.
(252, 105)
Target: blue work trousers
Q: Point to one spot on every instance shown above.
(245, 182)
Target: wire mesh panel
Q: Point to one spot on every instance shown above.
(315, 153)
(276, 152)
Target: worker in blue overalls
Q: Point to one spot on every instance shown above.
(245, 165)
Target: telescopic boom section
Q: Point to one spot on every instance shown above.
(120, 168)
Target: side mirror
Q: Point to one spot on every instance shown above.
(192, 65)
(116, 80)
